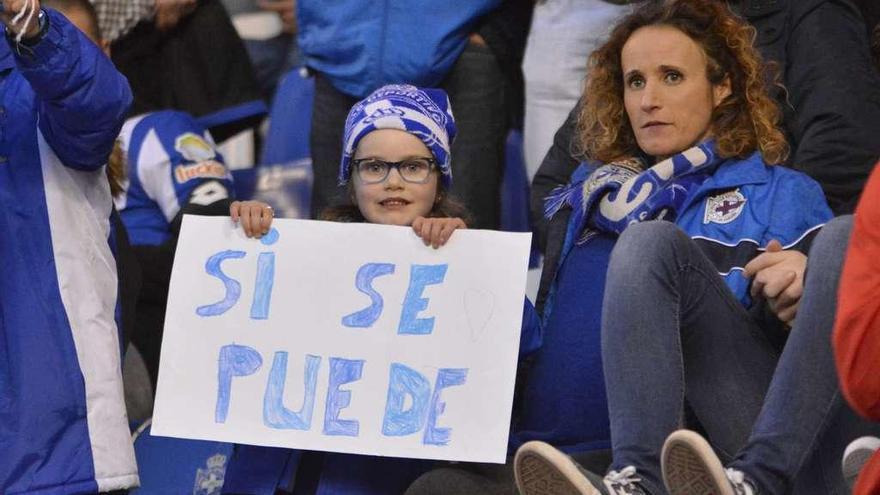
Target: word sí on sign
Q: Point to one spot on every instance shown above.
(425, 402)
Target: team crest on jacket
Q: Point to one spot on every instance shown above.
(724, 208)
(194, 147)
(210, 481)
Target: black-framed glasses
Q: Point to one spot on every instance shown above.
(415, 170)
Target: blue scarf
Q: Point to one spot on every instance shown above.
(625, 192)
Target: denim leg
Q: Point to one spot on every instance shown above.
(477, 91)
(330, 109)
(799, 437)
(673, 332)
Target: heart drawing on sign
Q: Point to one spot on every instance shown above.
(478, 308)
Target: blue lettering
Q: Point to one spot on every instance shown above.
(366, 317)
(275, 415)
(420, 277)
(234, 360)
(233, 288)
(446, 377)
(263, 286)
(342, 371)
(405, 381)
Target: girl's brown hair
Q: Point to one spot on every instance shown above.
(743, 122)
(116, 169)
(445, 206)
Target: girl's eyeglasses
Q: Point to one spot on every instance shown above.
(413, 170)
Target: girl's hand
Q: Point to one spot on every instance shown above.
(255, 217)
(436, 231)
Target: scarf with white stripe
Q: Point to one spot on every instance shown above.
(624, 192)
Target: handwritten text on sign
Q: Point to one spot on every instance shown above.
(343, 337)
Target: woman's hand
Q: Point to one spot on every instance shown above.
(255, 217)
(436, 231)
(779, 278)
(11, 8)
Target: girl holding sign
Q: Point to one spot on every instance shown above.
(396, 164)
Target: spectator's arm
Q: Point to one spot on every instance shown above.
(555, 170)
(857, 323)
(835, 93)
(82, 98)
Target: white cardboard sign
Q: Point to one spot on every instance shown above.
(349, 338)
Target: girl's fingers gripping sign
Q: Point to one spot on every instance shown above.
(255, 217)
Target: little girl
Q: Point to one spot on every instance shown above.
(396, 165)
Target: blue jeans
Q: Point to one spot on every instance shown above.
(674, 337)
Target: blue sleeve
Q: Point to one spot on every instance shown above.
(198, 172)
(795, 222)
(531, 338)
(82, 99)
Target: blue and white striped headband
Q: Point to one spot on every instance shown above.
(424, 113)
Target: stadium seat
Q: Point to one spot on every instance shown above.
(178, 466)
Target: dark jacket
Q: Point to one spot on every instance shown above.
(831, 113)
(200, 67)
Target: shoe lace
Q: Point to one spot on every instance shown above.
(624, 481)
(738, 480)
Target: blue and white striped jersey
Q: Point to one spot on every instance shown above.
(171, 161)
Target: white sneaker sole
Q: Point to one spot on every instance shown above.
(690, 467)
(856, 456)
(540, 469)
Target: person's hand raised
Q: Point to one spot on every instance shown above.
(26, 16)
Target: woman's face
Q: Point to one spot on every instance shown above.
(393, 201)
(666, 91)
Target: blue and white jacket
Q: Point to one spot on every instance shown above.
(360, 45)
(738, 210)
(171, 161)
(63, 425)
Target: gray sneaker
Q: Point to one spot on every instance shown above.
(541, 469)
(855, 456)
(690, 467)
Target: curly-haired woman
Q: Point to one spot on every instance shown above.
(696, 308)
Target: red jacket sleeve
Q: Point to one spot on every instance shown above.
(857, 325)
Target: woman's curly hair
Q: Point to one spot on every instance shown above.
(743, 122)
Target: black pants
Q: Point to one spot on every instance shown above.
(477, 90)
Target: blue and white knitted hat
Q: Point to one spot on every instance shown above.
(424, 113)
